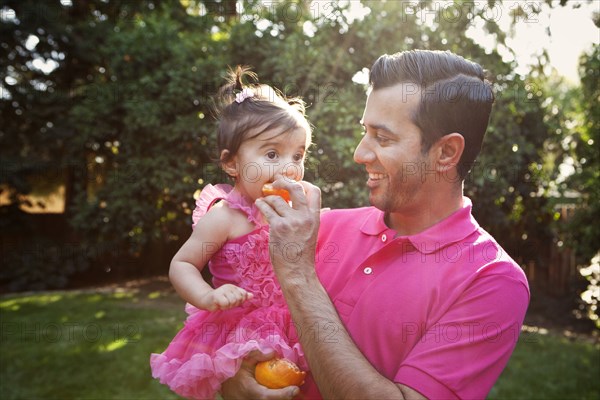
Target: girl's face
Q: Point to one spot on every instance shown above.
(271, 153)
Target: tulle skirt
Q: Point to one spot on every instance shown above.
(212, 345)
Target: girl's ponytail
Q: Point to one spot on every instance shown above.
(234, 85)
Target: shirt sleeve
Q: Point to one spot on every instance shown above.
(463, 354)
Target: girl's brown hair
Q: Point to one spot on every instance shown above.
(265, 110)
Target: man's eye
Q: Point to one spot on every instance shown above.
(272, 155)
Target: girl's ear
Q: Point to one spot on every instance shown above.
(228, 163)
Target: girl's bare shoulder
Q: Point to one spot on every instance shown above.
(221, 216)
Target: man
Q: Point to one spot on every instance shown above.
(409, 298)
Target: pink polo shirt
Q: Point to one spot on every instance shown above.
(439, 311)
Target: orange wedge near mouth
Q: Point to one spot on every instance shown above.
(269, 190)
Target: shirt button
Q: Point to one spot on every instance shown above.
(368, 270)
(383, 237)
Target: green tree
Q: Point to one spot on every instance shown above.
(586, 157)
(47, 49)
(147, 147)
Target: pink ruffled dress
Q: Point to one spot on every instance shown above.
(211, 346)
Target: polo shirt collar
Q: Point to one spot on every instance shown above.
(451, 229)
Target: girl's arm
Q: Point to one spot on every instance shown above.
(211, 232)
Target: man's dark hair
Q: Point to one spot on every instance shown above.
(455, 96)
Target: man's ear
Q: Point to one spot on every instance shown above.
(449, 150)
(228, 163)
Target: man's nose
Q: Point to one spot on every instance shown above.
(363, 154)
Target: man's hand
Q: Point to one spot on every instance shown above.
(244, 386)
(292, 230)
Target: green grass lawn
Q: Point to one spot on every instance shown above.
(96, 345)
(549, 366)
(84, 345)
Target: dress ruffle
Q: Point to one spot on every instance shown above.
(209, 195)
(193, 368)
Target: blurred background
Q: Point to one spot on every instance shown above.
(107, 133)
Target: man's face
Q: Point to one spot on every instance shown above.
(391, 149)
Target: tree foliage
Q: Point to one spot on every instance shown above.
(586, 158)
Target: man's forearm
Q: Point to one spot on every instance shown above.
(338, 367)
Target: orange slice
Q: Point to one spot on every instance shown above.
(269, 190)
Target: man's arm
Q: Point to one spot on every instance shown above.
(337, 365)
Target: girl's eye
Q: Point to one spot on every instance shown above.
(298, 157)
(272, 155)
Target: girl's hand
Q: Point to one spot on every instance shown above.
(224, 297)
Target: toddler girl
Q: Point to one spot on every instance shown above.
(261, 134)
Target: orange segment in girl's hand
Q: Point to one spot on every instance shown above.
(279, 373)
(269, 190)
